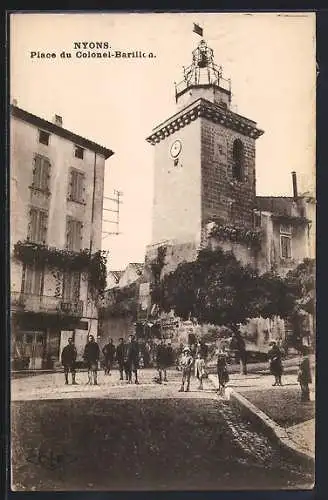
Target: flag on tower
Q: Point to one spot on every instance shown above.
(198, 30)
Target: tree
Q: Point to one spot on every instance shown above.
(301, 284)
(301, 288)
(217, 289)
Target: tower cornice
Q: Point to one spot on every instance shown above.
(202, 108)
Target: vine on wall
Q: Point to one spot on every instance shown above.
(222, 231)
(93, 265)
(156, 266)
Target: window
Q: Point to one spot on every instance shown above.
(37, 230)
(71, 286)
(238, 160)
(257, 218)
(41, 173)
(78, 152)
(286, 229)
(44, 137)
(73, 234)
(33, 280)
(286, 241)
(76, 186)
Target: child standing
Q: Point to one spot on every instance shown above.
(304, 376)
(186, 362)
(200, 371)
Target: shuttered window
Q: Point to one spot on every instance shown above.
(76, 186)
(44, 137)
(73, 234)
(71, 286)
(41, 173)
(37, 230)
(286, 241)
(286, 247)
(79, 152)
(33, 280)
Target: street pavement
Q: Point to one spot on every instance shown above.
(118, 436)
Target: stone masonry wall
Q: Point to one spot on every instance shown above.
(222, 196)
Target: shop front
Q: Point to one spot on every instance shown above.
(37, 340)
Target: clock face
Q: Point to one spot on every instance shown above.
(175, 149)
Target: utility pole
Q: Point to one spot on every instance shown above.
(116, 199)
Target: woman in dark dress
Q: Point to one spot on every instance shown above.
(275, 357)
(222, 370)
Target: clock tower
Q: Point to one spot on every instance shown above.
(204, 157)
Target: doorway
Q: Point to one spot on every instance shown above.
(31, 346)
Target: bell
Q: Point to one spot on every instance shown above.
(202, 63)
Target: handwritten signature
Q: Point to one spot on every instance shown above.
(49, 459)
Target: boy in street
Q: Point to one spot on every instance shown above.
(91, 357)
(132, 359)
(186, 362)
(200, 371)
(68, 360)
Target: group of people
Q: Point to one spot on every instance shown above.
(126, 354)
(196, 356)
(164, 359)
(304, 376)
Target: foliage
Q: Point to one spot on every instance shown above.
(156, 266)
(301, 287)
(301, 284)
(94, 265)
(217, 289)
(223, 231)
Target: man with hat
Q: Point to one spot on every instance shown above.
(68, 359)
(186, 362)
(91, 358)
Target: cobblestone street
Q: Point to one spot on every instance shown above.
(117, 436)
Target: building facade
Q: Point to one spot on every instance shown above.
(57, 183)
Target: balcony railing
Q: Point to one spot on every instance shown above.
(45, 304)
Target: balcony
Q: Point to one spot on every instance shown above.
(25, 302)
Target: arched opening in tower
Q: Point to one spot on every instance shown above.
(238, 160)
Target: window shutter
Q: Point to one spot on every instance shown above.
(28, 280)
(81, 187)
(66, 286)
(69, 234)
(70, 186)
(43, 226)
(37, 274)
(37, 172)
(45, 175)
(33, 224)
(80, 226)
(76, 286)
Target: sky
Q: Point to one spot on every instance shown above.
(116, 102)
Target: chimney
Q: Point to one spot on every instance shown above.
(57, 120)
(295, 193)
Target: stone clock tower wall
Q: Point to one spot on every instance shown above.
(177, 189)
(223, 195)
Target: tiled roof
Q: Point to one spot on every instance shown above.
(116, 275)
(281, 205)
